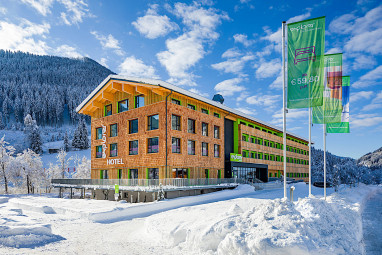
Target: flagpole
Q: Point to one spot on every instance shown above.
(284, 108)
(310, 152)
(324, 129)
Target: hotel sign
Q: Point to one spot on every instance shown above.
(104, 147)
(115, 161)
(236, 157)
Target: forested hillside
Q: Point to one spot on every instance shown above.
(372, 159)
(49, 88)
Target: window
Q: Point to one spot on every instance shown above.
(245, 154)
(133, 174)
(104, 174)
(123, 105)
(217, 132)
(191, 126)
(191, 147)
(204, 129)
(133, 126)
(108, 110)
(204, 111)
(216, 150)
(175, 122)
(113, 150)
(153, 145)
(207, 173)
(153, 122)
(204, 149)
(139, 101)
(252, 140)
(175, 145)
(244, 138)
(113, 130)
(253, 155)
(133, 147)
(266, 157)
(217, 115)
(153, 173)
(99, 151)
(175, 101)
(192, 107)
(119, 173)
(98, 133)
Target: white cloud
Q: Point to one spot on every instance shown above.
(342, 25)
(42, 6)
(299, 17)
(153, 25)
(371, 78)
(198, 92)
(231, 53)
(360, 95)
(292, 115)
(333, 51)
(363, 62)
(132, 66)
(365, 120)
(376, 103)
(67, 51)
(278, 83)
(229, 87)
(263, 100)
(103, 61)
(233, 65)
(246, 110)
(108, 42)
(76, 10)
(186, 50)
(3, 10)
(242, 38)
(23, 36)
(268, 69)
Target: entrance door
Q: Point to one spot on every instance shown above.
(133, 173)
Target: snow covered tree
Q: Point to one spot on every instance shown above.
(80, 138)
(6, 152)
(63, 162)
(2, 126)
(66, 142)
(31, 169)
(83, 167)
(32, 133)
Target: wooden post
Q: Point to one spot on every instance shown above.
(71, 193)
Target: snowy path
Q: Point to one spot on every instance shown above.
(372, 222)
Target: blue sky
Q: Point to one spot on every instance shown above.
(208, 47)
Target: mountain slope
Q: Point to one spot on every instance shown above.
(47, 87)
(372, 159)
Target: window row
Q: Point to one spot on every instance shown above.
(193, 107)
(291, 175)
(271, 157)
(123, 105)
(191, 126)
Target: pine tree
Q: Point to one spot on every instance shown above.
(66, 142)
(80, 139)
(2, 126)
(35, 141)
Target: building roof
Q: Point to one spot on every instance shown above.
(174, 88)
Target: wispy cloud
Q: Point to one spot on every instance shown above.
(243, 38)
(76, 10)
(132, 66)
(229, 87)
(233, 65)
(365, 120)
(373, 77)
(108, 42)
(42, 6)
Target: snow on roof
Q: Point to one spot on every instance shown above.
(169, 86)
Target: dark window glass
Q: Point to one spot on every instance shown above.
(175, 145)
(175, 122)
(204, 149)
(204, 129)
(191, 126)
(217, 115)
(175, 101)
(206, 173)
(217, 132)
(139, 101)
(153, 173)
(113, 150)
(153, 122)
(153, 145)
(192, 107)
(133, 147)
(133, 174)
(113, 130)
(98, 133)
(216, 150)
(99, 151)
(133, 126)
(105, 174)
(108, 110)
(123, 105)
(119, 173)
(204, 111)
(191, 147)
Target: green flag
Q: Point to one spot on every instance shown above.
(306, 48)
(331, 110)
(343, 126)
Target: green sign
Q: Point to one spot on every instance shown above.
(331, 110)
(343, 126)
(236, 157)
(306, 48)
(116, 187)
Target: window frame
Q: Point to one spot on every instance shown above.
(111, 130)
(136, 102)
(119, 103)
(106, 112)
(194, 148)
(218, 150)
(98, 146)
(150, 124)
(130, 126)
(204, 155)
(178, 147)
(206, 125)
(205, 111)
(148, 145)
(178, 124)
(131, 148)
(192, 108)
(188, 126)
(176, 101)
(96, 133)
(116, 155)
(218, 133)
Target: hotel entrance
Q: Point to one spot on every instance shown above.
(247, 171)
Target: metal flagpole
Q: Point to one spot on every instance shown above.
(324, 127)
(310, 151)
(284, 108)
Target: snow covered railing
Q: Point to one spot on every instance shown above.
(169, 182)
(268, 185)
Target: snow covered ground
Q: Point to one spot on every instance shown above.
(241, 221)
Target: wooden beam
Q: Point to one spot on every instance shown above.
(117, 86)
(108, 96)
(142, 90)
(158, 91)
(128, 89)
(98, 104)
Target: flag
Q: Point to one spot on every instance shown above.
(306, 48)
(331, 110)
(343, 126)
